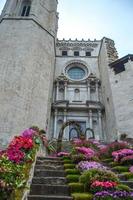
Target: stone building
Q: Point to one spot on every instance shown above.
(47, 82)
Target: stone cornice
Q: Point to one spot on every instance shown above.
(77, 43)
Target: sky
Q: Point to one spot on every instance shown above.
(95, 19)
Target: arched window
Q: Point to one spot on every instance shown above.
(25, 8)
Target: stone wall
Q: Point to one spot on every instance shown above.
(122, 90)
(110, 121)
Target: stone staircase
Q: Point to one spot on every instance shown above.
(49, 182)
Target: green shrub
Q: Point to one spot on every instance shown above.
(76, 187)
(72, 178)
(123, 187)
(69, 166)
(107, 160)
(82, 196)
(65, 158)
(127, 175)
(67, 161)
(113, 164)
(76, 158)
(72, 171)
(121, 169)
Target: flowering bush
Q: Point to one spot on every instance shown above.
(86, 143)
(98, 186)
(21, 142)
(15, 163)
(127, 160)
(89, 176)
(117, 195)
(85, 165)
(88, 152)
(114, 146)
(118, 155)
(76, 158)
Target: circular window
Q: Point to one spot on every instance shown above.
(76, 73)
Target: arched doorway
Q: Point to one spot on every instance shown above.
(89, 133)
(76, 126)
(73, 133)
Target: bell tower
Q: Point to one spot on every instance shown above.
(28, 31)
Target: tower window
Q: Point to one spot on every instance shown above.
(64, 53)
(76, 53)
(25, 8)
(88, 53)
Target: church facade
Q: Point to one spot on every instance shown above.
(47, 82)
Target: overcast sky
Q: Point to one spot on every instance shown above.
(96, 19)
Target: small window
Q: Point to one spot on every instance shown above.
(64, 53)
(25, 8)
(88, 53)
(119, 68)
(76, 53)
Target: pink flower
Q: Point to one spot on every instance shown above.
(131, 169)
(15, 155)
(28, 133)
(105, 184)
(118, 155)
(60, 154)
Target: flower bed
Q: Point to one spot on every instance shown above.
(15, 164)
(86, 165)
(96, 180)
(117, 195)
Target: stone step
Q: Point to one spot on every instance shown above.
(49, 173)
(49, 158)
(40, 189)
(49, 167)
(50, 197)
(49, 180)
(50, 162)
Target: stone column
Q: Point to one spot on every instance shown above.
(88, 91)
(57, 91)
(55, 124)
(65, 96)
(100, 124)
(90, 119)
(65, 119)
(97, 92)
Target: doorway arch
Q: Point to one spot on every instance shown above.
(92, 133)
(60, 136)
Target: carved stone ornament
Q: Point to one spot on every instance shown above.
(62, 78)
(111, 50)
(76, 43)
